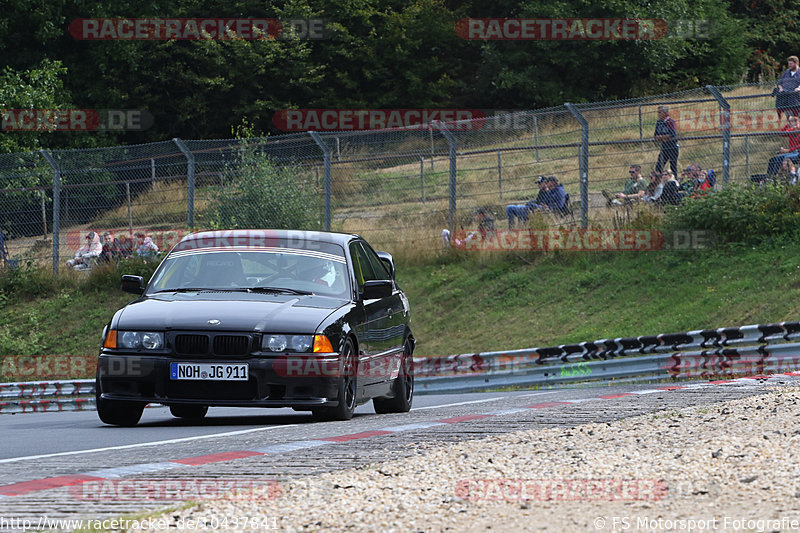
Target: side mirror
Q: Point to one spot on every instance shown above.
(133, 284)
(388, 261)
(377, 288)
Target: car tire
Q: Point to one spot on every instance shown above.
(347, 390)
(117, 412)
(403, 387)
(188, 411)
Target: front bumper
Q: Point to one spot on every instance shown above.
(299, 381)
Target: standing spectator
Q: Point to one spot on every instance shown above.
(792, 132)
(91, 249)
(634, 185)
(521, 212)
(666, 134)
(787, 93)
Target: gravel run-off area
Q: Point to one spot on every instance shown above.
(730, 466)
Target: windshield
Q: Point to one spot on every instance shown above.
(299, 271)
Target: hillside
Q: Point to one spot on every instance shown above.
(464, 304)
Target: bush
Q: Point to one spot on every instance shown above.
(264, 195)
(742, 213)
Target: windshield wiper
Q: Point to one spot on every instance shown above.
(283, 290)
(184, 289)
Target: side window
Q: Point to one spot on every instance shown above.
(377, 265)
(361, 265)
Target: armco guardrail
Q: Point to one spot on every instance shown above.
(711, 353)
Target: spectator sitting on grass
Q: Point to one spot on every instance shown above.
(670, 192)
(653, 191)
(556, 197)
(147, 249)
(788, 173)
(111, 247)
(90, 250)
(521, 212)
(630, 191)
(485, 221)
(791, 131)
(695, 182)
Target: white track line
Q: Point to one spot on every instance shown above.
(482, 401)
(142, 444)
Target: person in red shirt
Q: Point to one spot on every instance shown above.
(792, 132)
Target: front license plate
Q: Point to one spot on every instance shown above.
(208, 371)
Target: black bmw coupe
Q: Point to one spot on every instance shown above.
(260, 318)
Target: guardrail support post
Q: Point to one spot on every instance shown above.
(326, 176)
(725, 125)
(451, 140)
(583, 163)
(190, 181)
(56, 206)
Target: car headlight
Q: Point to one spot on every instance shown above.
(135, 340)
(282, 343)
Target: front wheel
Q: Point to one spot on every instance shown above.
(346, 394)
(403, 387)
(117, 412)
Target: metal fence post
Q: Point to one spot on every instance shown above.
(583, 164)
(326, 176)
(500, 172)
(641, 130)
(56, 206)
(725, 125)
(453, 168)
(536, 136)
(747, 155)
(422, 177)
(190, 181)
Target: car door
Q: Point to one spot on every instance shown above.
(375, 316)
(389, 341)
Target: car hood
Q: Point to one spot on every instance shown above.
(268, 313)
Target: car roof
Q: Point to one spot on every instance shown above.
(276, 234)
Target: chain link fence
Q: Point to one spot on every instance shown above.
(397, 187)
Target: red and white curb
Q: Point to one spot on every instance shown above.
(36, 485)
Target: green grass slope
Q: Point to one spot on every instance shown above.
(477, 303)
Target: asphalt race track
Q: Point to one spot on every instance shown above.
(42, 454)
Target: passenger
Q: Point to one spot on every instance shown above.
(91, 249)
